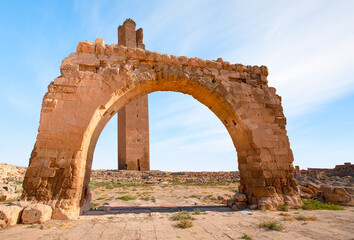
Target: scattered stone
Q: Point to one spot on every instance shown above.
(253, 206)
(221, 198)
(234, 208)
(241, 205)
(11, 215)
(230, 202)
(239, 197)
(336, 195)
(36, 213)
(106, 208)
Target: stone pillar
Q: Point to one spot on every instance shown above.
(297, 171)
(133, 119)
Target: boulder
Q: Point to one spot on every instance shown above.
(241, 205)
(36, 213)
(336, 195)
(234, 208)
(314, 187)
(253, 206)
(11, 215)
(230, 202)
(239, 197)
(306, 190)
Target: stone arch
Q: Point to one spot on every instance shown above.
(99, 79)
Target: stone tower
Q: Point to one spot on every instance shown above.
(133, 119)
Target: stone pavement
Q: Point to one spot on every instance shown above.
(213, 225)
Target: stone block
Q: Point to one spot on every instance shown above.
(240, 197)
(36, 213)
(241, 205)
(86, 47)
(11, 215)
(100, 46)
(230, 202)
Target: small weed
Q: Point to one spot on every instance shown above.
(271, 225)
(122, 192)
(284, 214)
(126, 198)
(183, 215)
(312, 218)
(32, 226)
(196, 211)
(283, 207)
(303, 218)
(286, 218)
(246, 236)
(195, 196)
(185, 223)
(210, 197)
(147, 198)
(94, 205)
(317, 205)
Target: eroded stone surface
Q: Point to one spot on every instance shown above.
(95, 84)
(10, 215)
(36, 213)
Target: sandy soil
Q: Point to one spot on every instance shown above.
(148, 216)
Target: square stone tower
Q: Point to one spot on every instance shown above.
(133, 119)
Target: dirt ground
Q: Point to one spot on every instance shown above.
(143, 211)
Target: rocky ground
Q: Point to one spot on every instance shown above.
(142, 205)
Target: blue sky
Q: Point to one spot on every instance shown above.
(308, 47)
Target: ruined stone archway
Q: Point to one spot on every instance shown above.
(98, 80)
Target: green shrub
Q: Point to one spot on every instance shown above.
(196, 211)
(185, 223)
(317, 205)
(283, 207)
(272, 225)
(93, 205)
(183, 215)
(303, 218)
(126, 198)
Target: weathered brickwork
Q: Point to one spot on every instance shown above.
(133, 118)
(99, 80)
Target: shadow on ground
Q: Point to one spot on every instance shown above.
(137, 210)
